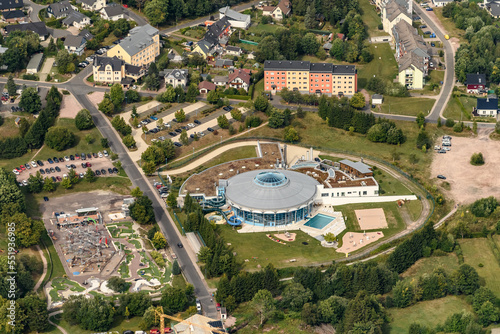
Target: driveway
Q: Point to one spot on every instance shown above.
(47, 66)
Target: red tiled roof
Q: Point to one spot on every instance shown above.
(285, 6)
(207, 85)
(243, 75)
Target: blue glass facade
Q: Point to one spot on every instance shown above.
(259, 218)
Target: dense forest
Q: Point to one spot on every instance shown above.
(482, 53)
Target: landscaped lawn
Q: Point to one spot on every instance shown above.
(477, 251)
(383, 65)
(261, 28)
(410, 106)
(9, 128)
(55, 267)
(371, 18)
(258, 249)
(429, 313)
(460, 107)
(428, 264)
(230, 155)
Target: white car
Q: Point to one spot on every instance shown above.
(33, 163)
(66, 158)
(15, 171)
(446, 148)
(105, 153)
(100, 155)
(25, 182)
(65, 176)
(191, 125)
(201, 134)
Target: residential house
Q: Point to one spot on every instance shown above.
(283, 9)
(60, 9)
(85, 33)
(206, 86)
(199, 324)
(140, 47)
(237, 20)
(393, 12)
(92, 5)
(174, 58)
(112, 13)
(313, 78)
(224, 63)
(412, 55)
(476, 83)
(220, 81)
(493, 7)
(239, 79)
(377, 99)
(14, 16)
(114, 70)
(75, 44)
(35, 63)
(8, 5)
(327, 47)
(76, 19)
(233, 51)
(217, 34)
(441, 3)
(176, 77)
(487, 107)
(38, 28)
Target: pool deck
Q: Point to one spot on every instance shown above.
(336, 226)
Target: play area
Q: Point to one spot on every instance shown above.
(371, 219)
(352, 241)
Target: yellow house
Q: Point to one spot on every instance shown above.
(203, 47)
(140, 47)
(412, 71)
(392, 14)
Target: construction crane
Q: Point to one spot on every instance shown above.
(162, 316)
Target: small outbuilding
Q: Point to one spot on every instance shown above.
(35, 64)
(206, 86)
(377, 99)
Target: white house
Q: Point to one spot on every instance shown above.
(237, 20)
(220, 81)
(487, 106)
(93, 5)
(441, 3)
(75, 44)
(233, 50)
(113, 13)
(76, 19)
(61, 9)
(278, 12)
(176, 77)
(239, 79)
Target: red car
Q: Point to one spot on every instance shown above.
(125, 6)
(89, 164)
(4, 98)
(154, 331)
(22, 167)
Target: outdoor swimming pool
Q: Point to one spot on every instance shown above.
(319, 221)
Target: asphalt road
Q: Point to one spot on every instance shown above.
(449, 77)
(168, 227)
(35, 10)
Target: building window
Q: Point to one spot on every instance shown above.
(324, 195)
(364, 193)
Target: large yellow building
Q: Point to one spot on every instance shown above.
(140, 47)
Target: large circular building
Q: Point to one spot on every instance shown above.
(271, 197)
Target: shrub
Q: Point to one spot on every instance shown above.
(477, 159)
(449, 123)
(59, 138)
(458, 127)
(484, 207)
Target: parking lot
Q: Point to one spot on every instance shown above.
(467, 182)
(59, 169)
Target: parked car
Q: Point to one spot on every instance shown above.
(58, 169)
(33, 163)
(173, 134)
(442, 177)
(97, 172)
(55, 160)
(110, 170)
(42, 171)
(154, 118)
(89, 164)
(105, 153)
(177, 144)
(423, 26)
(433, 44)
(197, 122)
(52, 170)
(103, 171)
(441, 151)
(115, 170)
(210, 130)
(429, 9)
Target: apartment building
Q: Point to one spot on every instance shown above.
(114, 70)
(312, 78)
(393, 12)
(140, 47)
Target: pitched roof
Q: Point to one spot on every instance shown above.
(285, 6)
(243, 75)
(59, 8)
(357, 165)
(207, 85)
(113, 10)
(205, 45)
(233, 48)
(102, 62)
(220, 78)
(215, 30)
(13, 14)
(132, 69)
(35, 61)
(268, 8)
(476, 79)
(223, 62)
(322, 67)
(74, 41)
(344, 69)
(139, 38)
(490, 103)
(409, 40)
(494, 8)
(85, 33)
(409, 60)
(177, 74)
(11, 4)
(37, 27)
(376, 97)
(73, 17)
(233, 15)
(393, 10)
(87, 2)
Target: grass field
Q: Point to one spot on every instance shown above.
(46, 152)
(454, 107)
(428, 313)
(409, 106)
(449, 26)
(230, 155)
(315, 132)
(476, 251)
(9, 128)
(428, 264)
(414, 209)
(371, 18)
(55, 267)
(383, 65)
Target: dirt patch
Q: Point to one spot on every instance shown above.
(371, 219)
(69, 107)
(96, 97)
(468, 182)
(285, 237)
(352, 241)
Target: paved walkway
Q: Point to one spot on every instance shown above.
(47, 66)
(44, 273)
(62, 330)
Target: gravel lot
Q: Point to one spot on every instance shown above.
(69, 107)
(469, 183)
(97, 163)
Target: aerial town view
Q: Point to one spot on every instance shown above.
(274, 166)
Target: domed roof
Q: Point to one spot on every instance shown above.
(271, 190)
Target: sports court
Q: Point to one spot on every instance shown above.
(371, 219)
